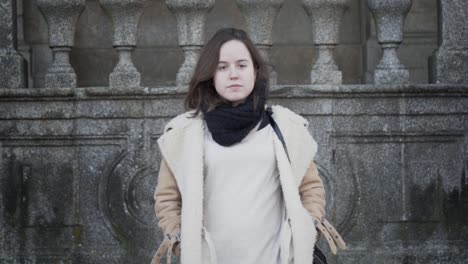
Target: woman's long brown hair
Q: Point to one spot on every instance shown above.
(201, 88)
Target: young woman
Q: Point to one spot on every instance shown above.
(231, 188)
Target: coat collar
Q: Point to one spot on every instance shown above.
(184, 134)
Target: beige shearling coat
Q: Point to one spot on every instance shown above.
(179, 193)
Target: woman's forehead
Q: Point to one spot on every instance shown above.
(234, 50)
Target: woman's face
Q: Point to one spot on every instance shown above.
(234, 78)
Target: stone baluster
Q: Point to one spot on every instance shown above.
(450, 60)
(191, 19)
(260, 16)
(326, 16)
(125, 15)
(389, 17)
(61, 17)
(12, 73)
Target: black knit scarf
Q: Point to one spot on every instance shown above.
(229, 124)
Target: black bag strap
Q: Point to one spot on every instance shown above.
(277, 131)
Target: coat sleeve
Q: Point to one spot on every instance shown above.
(312, 195)
(168, 202)
(168, 205)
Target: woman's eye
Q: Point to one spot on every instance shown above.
(221, 68)
(243, 65)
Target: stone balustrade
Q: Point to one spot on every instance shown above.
(125, 16)
(191, 18)
(260, 16)
(448, 65)
(61, 16)
(326, 19)
(389, 16)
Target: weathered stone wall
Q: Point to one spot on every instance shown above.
(79, 167)
(79, 160)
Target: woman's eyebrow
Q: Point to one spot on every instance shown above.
(241, 60)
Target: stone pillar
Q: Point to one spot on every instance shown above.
(11, 62)
(326, 16)
(191, 18)
(61, 17)
(125, 16)
(389, 17)
(260, 16)
(450, 60)
(23, 47)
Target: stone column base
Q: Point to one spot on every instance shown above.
(184, 74)
(124, 79)
(449, 66)
(12, 70)
(326, 77)
(391, 76)
(59, 80)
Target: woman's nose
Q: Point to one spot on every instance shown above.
(233, 74)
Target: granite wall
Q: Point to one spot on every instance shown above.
(85, 90)
(79, 167)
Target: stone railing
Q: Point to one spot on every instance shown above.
(449, 64)
(78, 165)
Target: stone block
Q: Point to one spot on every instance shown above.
(12, 69)
(60, 80)
(12, 64)
(326, 77)
(7, 24)
(124, 79)
(436, 123)
(449, 64)
(391, 76)
(374, 123)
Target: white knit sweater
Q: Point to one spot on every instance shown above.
(243, 203)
